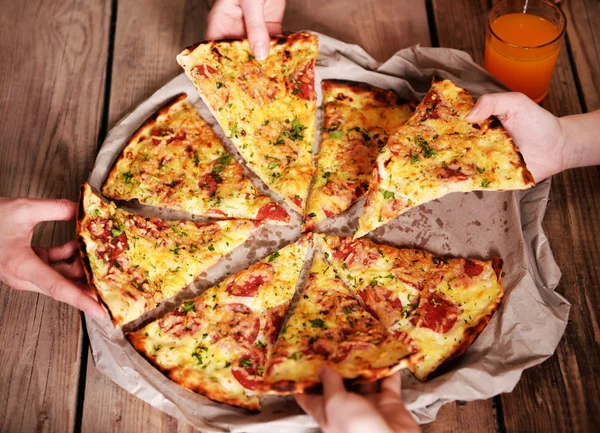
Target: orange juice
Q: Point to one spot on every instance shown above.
(521, 51)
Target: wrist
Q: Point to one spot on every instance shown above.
(562, 146)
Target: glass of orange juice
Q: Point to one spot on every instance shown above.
(522, 44)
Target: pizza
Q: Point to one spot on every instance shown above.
(134, 263)
(218, 344)
(328, 327)
(357, 120)
(438, 304)
(437, 152)
(176, 161)
(267, 108)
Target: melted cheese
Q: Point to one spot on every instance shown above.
(329, 327)
(202, 347)
(267, 108)
(176, 161)
(357, 120)
(407, 274)
(157, 259)
(438, 152)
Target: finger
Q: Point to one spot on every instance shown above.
(51, 283)
(392, 384)
(72, 271)
(63, 252)
(41, 253)
(258, 35)
(313, 405)
(332, 383)
(32, 210)
(496, 104)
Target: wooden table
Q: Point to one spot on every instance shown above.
(72, 68)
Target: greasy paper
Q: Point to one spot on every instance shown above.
(523, 332)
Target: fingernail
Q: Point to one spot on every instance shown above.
(260, 50)
(471, 114)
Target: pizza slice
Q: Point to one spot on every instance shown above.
(357, 120)
(267, 108)
(437, 152)
(175, 160)
(218, 344)
(440, 304)
(134, 263)
(328, 327)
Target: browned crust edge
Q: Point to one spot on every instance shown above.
(286, 387)
(473, 332)
(87, 268)
(148, 124)
(277, 40)
(137, 342)
(389, 96)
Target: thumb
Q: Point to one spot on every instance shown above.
(256, 28)
(332, 383)
(501, 105)
(33, 211)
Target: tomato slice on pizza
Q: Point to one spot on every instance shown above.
(357, 120)
(176, 161)
(135, 263)
(267, 108)
(439, 304)
(218, 344)
(328, 327)
(437, 152)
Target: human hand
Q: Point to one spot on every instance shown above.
(255, 18)
(36, 269)
(538, 133)
(340, 411)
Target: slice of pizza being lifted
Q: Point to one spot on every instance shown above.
(134, 263)
(218, 344)
(437, 152)
(267, 108)
(175, 160)
(441, 304)
(328, 327)
(357, 120)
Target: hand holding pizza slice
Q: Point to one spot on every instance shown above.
(437, 152)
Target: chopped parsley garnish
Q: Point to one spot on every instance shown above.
(260, 344)
(245, 363)
(115, 232)
(312, 214)
(480, 170)
(273, 165)
(219, 84)
(211, 247)
(317, 323)
(347, 310)
(425, 149)
(195, 158)
(127, 177)
(234, 131)
(336, 134)
(485, 183)
(414, 158)
(198, 357)
(274, 256)
(386, 194)
(227, 364)
(435, 260)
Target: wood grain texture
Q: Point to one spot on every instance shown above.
(381, 27)
(563, 394)
(149, 34)
(51, 96)
(583, 32)
(469, 417)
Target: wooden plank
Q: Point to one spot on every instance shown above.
(583, 32)
(473, 416)
(51, 91)
(561, 395)
(144, 60)
(381, 27)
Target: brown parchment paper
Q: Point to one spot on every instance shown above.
(523, 332)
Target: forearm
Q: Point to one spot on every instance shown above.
(581, 139)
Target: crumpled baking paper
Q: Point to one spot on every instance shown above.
(523, 332)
